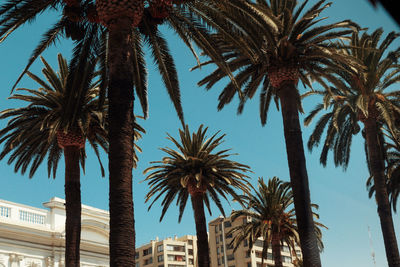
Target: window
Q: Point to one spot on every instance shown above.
(249, 264)
(286, 259)
(176, 257)
(222, 249)
(227, 224)
(190, 242)
(217, 250)
(147, 251)
(137, 264)
(231, 257)
(137, 255)
(258, 243)
(220, 227)
(248, 254)
(217, 239)
(148, 261)
(190, 251)
(219, 261)
(160, 248)
(160, 258)
(216, 228)
(175, 248)
(245, 243)
(285, 249)
(191, 261)
(228, 235)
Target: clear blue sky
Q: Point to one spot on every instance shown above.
(342, 197)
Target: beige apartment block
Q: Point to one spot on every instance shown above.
(34, 237)
(222, 255)
(170, 252)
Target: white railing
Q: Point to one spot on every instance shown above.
(31, 217)
(5, 212)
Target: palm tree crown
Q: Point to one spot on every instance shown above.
(358, 94)
(272, 218)
(198, 171)
(195, 168)
(364, 95)
(265, 44)
(31, 133)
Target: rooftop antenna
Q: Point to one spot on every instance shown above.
(371, 246)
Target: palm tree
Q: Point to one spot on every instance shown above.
(273, 45)
(117, 32)
(272, 218)
(58, 120)
(392, 171)
(365, 97)
(198, 171)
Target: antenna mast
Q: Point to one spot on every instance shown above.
(371, 246)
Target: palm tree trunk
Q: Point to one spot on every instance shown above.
(276, 250)
(72, 206)
(298, 173)
(121, 119)
(377, 168)
(201, 230)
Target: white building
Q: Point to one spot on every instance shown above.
(33, 237)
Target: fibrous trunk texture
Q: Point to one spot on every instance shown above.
(160, 8)
(201, 230)
(111, 11)
(72, 206)
(121, 120)
(276, 250)
(70, 138)
(377, 167)
(278, 75)
(288, 95)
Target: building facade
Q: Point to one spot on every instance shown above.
(33, 237)
(222, 254)
(170, 252)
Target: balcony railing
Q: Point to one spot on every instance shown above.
(5, 212)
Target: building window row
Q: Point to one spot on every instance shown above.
(148, 251)
(175, 248)
(176, 257)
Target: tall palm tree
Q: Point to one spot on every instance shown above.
(197, 171)
(273, 45)
(392, 170)
(365, 97)
(58, 120)
(272, 218)
(117, 31)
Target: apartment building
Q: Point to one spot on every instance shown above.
(222, 255)
(34, 237)
(170, 252)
